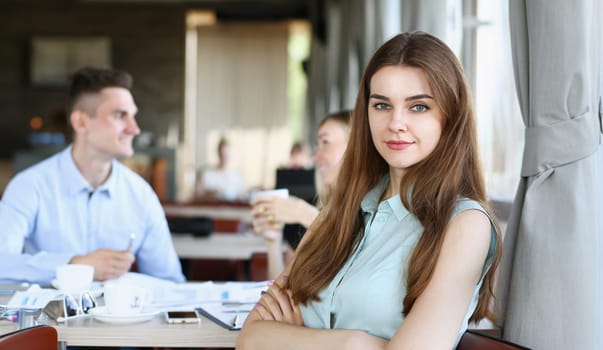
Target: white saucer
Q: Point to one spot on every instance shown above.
(100, 313)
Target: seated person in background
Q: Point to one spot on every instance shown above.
(299, 157)
(270, 213)
(81, 205)
(404, 252)
(223, 182)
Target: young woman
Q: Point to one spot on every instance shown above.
(270, 213)
(403, 254)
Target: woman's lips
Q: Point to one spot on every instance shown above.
(398, 145)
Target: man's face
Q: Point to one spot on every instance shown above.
(112, 129)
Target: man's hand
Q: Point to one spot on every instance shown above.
(108, 264)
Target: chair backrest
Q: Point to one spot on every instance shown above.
(33, 338)
(472, 340)
(299, 182)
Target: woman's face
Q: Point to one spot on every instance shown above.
(405, 121)
(224, 155)
(332, 142)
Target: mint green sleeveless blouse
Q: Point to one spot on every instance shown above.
(368, 291)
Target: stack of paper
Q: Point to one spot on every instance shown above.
(227, 304)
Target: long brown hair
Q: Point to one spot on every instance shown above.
(450, 171)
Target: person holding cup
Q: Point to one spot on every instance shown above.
(271, 212)
(82, 206)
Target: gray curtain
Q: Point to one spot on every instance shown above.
(442, 18)
(550, 287)
(353, 31)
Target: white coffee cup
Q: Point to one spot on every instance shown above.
(280, 192)
(74, 278)
(124, 299)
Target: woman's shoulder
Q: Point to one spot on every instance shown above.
(475, 218)
(470, 214)
(463, 204)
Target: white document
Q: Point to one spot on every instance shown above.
(33, 298)
(229, 316)
(168, 295)
(232, 311)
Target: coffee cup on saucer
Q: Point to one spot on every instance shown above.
(124, 299)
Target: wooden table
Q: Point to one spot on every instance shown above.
(155, 333)
(236, 246)
(86, 331)
(215, 212)
(220, 248)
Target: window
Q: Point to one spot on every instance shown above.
(54, 58)
(500, 126)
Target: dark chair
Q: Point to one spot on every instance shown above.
(473, 340)
(197, 226)
(33, 338)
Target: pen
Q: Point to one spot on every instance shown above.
(235, 320)
(131, 242)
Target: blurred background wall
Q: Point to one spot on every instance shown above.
(204, 69)
(146, 41)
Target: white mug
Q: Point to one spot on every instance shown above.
(280, 192)
(124, 299)
(74, 278)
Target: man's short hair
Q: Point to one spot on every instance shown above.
(91, 80)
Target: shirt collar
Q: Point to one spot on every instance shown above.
(370, 202)
(75, 182)
(110, 185)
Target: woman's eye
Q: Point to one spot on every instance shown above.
(381, 105)
(419, 108)
(322, 144)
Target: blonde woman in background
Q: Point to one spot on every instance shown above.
(270, 213)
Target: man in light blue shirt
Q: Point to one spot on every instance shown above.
(81, 205)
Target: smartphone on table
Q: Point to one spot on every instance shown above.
(182, 316)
